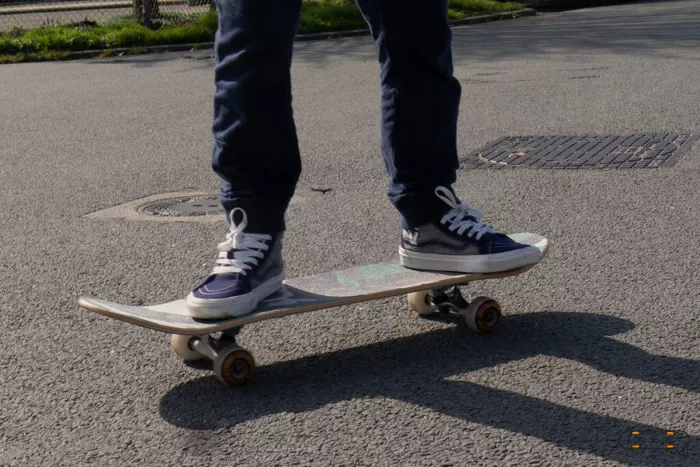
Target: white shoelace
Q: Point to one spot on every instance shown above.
(249, 248)
(456, 216)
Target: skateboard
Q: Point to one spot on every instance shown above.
(428, 293)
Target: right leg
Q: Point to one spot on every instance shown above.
(256, 152)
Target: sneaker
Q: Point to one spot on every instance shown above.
(248, 270)
(460, 242)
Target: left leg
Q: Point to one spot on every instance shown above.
(420, 103)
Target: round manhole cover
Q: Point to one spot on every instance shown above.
(183, 207)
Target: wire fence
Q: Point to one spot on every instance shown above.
(28, 14)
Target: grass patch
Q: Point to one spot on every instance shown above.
(115, 33)
(459, 9)
(32, 57)
(54, 42)
(330, 15)
(343, 15)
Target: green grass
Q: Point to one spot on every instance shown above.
(55, 42)
(463, 8)
(32, 57)
(329, 15)
(117, 33)
(343, 15)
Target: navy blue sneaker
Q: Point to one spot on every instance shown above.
(248, 270)
(460, 242)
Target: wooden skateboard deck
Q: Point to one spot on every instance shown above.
(303, 294)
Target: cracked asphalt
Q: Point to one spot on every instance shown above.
(600, 340)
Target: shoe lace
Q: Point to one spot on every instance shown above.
(462, 216)
(247, 248)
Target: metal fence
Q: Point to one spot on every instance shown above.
(27, 14)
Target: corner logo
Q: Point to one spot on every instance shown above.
(658, 439)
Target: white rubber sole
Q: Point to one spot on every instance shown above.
(233, 307)
(497, 262)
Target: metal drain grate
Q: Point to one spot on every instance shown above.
(637, 151)
(183, 207)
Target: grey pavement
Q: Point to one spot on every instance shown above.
(600, 340)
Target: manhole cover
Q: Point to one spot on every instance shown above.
(637, 151)
(183, 207)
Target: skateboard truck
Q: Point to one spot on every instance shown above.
(448, 299)
(232, 364)
(483, 314)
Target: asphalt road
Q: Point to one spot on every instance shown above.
(600, 340)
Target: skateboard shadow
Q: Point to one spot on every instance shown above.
(414, 369)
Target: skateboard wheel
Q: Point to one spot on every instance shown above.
(483, 315)
(420, 303)
(181, 346)
(234, 366)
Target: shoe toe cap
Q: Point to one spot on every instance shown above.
(221, 286)
(502, 244)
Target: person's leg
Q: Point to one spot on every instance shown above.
(256, 153)
(420, 102)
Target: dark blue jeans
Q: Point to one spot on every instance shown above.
(256, 151)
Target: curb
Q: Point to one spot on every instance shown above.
(298, 38)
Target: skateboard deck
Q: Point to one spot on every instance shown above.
(304, 294)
